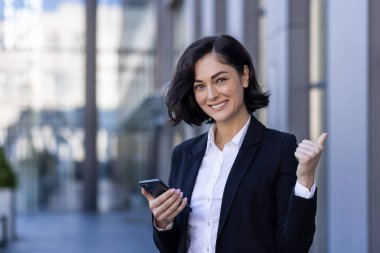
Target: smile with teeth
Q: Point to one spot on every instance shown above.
(217, 106)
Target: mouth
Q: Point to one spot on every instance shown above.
(219, 105)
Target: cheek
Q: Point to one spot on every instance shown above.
(199, 98)
(238, 95)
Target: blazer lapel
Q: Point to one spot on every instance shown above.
(193, 164)
(242, 162)
(189, 174)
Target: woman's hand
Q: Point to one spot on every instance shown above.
(308, 154)
(166, 206)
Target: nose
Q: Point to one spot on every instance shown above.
(212, 92)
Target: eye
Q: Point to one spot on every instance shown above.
(220, 80)
(199, 86)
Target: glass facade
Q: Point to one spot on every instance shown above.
(41, 84)
(42, 98)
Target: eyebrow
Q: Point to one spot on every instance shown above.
(212, 77)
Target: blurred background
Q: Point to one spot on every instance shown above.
(82, 114)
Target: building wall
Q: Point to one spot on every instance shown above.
(347, 123)
(137, 58)
(331, 94)
(374, 124)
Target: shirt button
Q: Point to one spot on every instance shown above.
(209, 199)
(207, 249)
(208, 223)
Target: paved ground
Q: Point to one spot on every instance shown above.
(78, 233)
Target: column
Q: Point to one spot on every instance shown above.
(208, 17)
(250, 25)
(374, 125)
(288, 66)
(347, 123)
(90, 113)
(235, 19)
(164, 71)
(220, 16)
(164, 49)
(298, 68)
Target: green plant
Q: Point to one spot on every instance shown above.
(7, 177)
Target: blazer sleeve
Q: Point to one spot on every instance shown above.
(167, 241)
(295, 221)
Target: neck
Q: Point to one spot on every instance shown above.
(226, 131)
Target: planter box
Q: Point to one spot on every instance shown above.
(7, 210)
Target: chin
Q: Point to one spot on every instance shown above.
(219, 118)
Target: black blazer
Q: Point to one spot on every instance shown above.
(259, 212)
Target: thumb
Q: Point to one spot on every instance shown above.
(146, 194)
(322, 138)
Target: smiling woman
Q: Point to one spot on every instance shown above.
(242, 180)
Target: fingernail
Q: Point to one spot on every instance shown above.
(172, 190)
(181, 194)
(185, 199)
(178, 191)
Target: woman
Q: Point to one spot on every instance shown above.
(247, 190)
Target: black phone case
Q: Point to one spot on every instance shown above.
(155, 187)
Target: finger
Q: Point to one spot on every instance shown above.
(302, 156)
(311, 154)
(163, 207)
(311, 143)
(305, 151)
(322, 138)
(179, 209)
(162, 198)
(146, 194)
(172, 207)
(169, 201)
(313, 148)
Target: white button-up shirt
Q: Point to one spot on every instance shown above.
(208, 191)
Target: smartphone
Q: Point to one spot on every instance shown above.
(156, 187)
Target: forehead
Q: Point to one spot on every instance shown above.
(208, 65)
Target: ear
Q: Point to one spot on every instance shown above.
(245, 77)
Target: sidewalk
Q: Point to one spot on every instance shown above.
(122, 232)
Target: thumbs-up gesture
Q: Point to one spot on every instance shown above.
(308, 154)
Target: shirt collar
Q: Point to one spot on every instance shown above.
(236, 141)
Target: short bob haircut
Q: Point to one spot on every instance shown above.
(180, 98)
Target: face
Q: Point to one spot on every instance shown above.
(219, 89)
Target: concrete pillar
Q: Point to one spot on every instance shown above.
(235, 19)
(298, 68)
(277, 58)
(347, 123)
(197, 17)
(374, 125)
(192, 20)
(288, 66)
(90, 113)
(208, 17)
(220, 16)
(164, 72)
(164, 49)
(250, 36)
